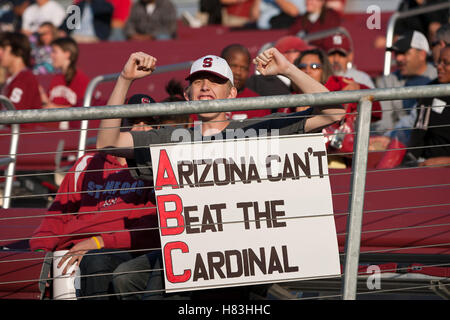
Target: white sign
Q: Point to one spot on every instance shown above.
(245, 212)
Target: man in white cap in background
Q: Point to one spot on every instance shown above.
(340, 53)
(411, 52)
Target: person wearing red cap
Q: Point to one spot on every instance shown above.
(340, 54)
(290, 47)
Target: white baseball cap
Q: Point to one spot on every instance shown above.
(212, 64)
(410, 39)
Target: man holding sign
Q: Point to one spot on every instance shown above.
(210, 78)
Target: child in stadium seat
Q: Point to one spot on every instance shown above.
(42, 49)
(98, 206)
(175, 92)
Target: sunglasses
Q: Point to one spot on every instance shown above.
(314, 66)
(445, 63)
(148, 121)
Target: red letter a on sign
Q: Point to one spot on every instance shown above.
(164, 167)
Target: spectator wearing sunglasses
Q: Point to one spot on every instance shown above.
(315, 63)
(441, 39)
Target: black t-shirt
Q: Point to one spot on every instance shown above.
(432, 128)
(267, 85)
(277, 124)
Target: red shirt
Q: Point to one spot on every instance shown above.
(121, 9)
(240, 9)
(68, 95)
(336, 83)
(98, 196)
(23, 90)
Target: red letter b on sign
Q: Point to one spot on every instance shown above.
(173, 214)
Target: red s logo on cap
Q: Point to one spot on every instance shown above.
(207, 62)
(145, 100)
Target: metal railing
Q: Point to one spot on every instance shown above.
(363, 97)
(323, 34)
(11, 160)
(267, 102)
(391, 27)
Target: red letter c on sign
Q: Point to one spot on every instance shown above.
(168, 262)
(207, 62)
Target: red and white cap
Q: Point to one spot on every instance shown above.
(337, 42)
(212, 64)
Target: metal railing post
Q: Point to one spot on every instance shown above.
(15, 130)
(389, 42)
(401, 15)
(356, 205)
